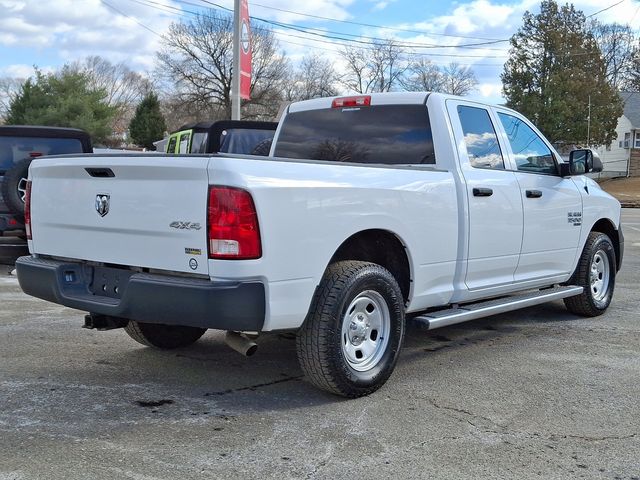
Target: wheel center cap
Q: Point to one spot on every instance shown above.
(358, 330)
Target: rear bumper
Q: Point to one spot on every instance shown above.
(164, 299)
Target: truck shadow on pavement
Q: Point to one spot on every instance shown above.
(272, 379)
(119, 383)
(486, 331)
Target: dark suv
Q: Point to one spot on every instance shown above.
(18, 146)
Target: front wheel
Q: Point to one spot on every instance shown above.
(163, 336)
(351, 338)
(596, 273)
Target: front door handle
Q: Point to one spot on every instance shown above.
(533, 193)
(482, 192)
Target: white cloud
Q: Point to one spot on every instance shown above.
(77, 29)
(382, 4)
(17, 71)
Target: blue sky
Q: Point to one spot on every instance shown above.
(48, 34)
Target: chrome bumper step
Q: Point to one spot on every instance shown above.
(472, 311)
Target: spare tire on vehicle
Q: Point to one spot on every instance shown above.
(14, 186)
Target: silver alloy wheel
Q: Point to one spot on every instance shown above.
(599, 275)
(22, 189)
(365, 331)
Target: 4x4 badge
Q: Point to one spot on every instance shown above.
(102, 204)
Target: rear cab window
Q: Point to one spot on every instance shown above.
(377, 134)
(13, 149)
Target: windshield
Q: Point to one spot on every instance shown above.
(14, 149)
(386, 134)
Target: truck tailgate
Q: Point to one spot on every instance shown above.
(144, 211)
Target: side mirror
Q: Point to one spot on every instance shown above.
(580, 162)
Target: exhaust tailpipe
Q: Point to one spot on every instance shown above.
(240, 343)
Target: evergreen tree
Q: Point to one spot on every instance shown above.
(63, 99)
(147, 125)
(555, 69)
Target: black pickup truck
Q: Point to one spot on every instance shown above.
(19, 145)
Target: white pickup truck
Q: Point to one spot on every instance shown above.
(369, 209)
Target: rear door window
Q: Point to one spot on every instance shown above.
(383, 134)
(480, 138)
(15, 149)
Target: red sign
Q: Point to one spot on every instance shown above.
(245, 51)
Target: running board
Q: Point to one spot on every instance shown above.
(472, 311)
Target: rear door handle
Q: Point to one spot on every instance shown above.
(482, 192)
(533, 193)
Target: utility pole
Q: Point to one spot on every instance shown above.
(589, 124)
(235, 74)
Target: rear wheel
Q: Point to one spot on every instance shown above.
(596, 273)
(14, 186)
(163, 336)
(351, 338)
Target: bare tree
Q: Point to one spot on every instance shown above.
(123, 88)
(197, 58)
(375, 69)
(458, 80)
(9, 88)
(423, 76)
(619, 46)
(314, 77)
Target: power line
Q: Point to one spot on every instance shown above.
(421, 32)
(371, 46)
(171, 9)
(131, 18)
(324, 38)
(378, 39)
(605, 9)
(302, 30)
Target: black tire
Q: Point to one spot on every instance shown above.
(598, 286)
(14, 185)
(322, 342)
(164, 337)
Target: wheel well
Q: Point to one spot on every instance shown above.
(381, 247)
(605, 226)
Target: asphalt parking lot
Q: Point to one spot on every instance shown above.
(538, 393)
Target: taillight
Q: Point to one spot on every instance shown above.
(358, 101)
(27, 210)
(233, 224)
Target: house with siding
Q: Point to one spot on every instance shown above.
(622, 156)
